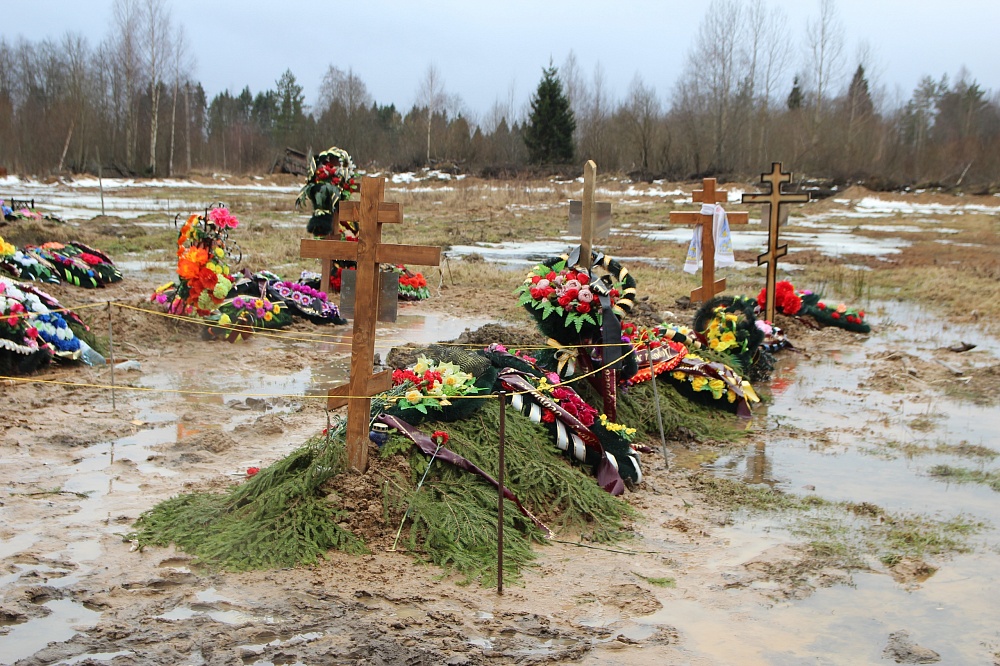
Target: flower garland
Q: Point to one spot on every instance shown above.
(431, 383)
(204, 278)
(792, 302)
(625, 432)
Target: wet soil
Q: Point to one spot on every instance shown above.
(699, 583)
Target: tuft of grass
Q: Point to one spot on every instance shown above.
(965, 475)
(654, 580)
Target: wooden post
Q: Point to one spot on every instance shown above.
(587, 219)
(369, 251)
(775, 198)
(708, 195)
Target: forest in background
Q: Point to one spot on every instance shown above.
(132, 106)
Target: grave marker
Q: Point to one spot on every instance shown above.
(773, 199)
(708, 195)
(588, 218)
(369, 251)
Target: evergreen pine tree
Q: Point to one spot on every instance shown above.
(549, 133)
(859, 97)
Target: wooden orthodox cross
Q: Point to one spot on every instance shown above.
(591, 219)
(707, 195)
(774, 198)
(369, 251)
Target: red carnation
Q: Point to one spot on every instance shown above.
(535, 279)
(548, 416)
(835, 315)
(583, 308)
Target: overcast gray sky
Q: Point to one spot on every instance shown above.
(485, 49)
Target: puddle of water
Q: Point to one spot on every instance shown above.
(65, 619)
(952, 612)
(219, 613)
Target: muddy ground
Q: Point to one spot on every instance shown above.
(698, 578)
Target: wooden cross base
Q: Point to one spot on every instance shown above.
(370, 213)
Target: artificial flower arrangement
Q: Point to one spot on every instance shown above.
(655, 350)
(74, 263)
(412, 286)
(577, 428)
(34, 327)
(564, 299)
(24, 213)
(331, 179)
(257, 312)
(306, 301)
(714, 381)
(430, 384)
(792, 302)
(203, 276)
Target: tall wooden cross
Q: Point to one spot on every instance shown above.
(369, 251)
(589, 211)
(708, 195)
(774, 198)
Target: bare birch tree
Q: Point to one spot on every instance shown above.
(825, 47)
(156, 45)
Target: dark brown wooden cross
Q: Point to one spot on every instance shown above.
(774, 198)
(369, 251)
(708, 195)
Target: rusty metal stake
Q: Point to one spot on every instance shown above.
(503, 435)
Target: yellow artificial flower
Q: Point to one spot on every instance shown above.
(219, 252)
(422, 365)
(728, 336)
(699, 383)
(268, 316)
(452, 380)
(277, 309)
(414, 396)
(716, 386)
(258, 303)
(677, 374)
(731, 317)
(714, 343)
(730, 395)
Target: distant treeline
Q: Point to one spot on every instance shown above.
(129, 105)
